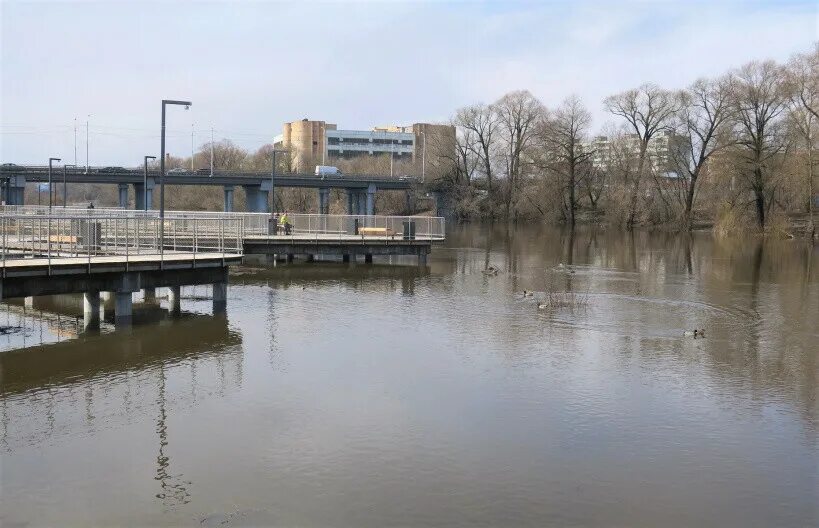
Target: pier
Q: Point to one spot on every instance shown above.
(110, 254)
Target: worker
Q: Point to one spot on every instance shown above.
(284, 222)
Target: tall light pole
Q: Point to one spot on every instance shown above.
(424, 157)
(273, 181)
(145, 183)
(165, 102)
(211, 152)
(49, 181)
(192, 169)
(88, 117)
(65, 187)
(323, 141)
(75, 142)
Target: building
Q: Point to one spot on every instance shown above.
(319, 142)
(665, 151)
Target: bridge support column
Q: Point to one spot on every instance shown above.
(371, 199)
(256, 198)
(351, 202)
(28, 302)
(362, 203)
(219, 297)
(150, 294)
(91, 309)
(175, 299)
(123, 308)
(422, 257)
(324, 201)
(16, 190)
(123, 195)
(228, 198)
(368, 258)
(143, 193)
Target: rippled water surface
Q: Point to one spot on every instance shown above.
(384, 395)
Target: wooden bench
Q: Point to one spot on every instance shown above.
(63, 239)
(375, 231)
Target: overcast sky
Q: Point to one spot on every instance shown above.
(250, 66)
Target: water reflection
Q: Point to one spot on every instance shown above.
(370, 395)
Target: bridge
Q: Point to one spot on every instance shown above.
(258, 186)
(117, 252)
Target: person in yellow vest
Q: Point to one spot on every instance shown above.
(284, 222)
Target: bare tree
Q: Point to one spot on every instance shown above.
(564, 133)
(803, 79)
(518, 115)
(703, 124)
(647, 110)
(481, 122)
(760, 98)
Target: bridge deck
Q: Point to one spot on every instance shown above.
(114, 263)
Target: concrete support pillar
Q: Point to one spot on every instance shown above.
(290, 257)
(371, 199)
(324, 201)
(150, 294)
(351, 202)
(361, 208)
(28, 302)
(256, 197)
(219, 297)
(91, 308)
(175, 299)
(422, 258)
(368, 258)
(141, 195)
(123, 308)
(123, 195)
(310, 257)
(228, 198)
(16, 188)
(410, 202)
(345, 258)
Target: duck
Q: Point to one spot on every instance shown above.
(542, 306)
(695, 333)
(491, 270)
(527, 293)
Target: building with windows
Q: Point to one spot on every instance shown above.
(322, 143)
(665, 151)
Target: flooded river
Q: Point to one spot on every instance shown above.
(385, 395)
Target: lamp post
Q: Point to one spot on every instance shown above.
(145, 183)
(165, 102)
(424, 157)
(273, 181)
(87, 118)
(65, 187)
(49, 181)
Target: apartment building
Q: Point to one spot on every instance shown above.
(324, 143)
(665, 150)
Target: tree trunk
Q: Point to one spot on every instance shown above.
(689, 203)
(571, 196)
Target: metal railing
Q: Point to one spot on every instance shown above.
(259, 224)
(92, 235)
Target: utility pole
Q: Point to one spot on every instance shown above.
(211, 152)
(192, 169)
(75, 141)
(88, 117)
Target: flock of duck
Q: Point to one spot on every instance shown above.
(493, 271)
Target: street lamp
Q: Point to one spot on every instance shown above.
(49, 181)
(423, 157)
(65, 187)
(165, 102)
(145, 183)
(273, 181)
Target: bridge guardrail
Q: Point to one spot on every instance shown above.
(51, 237)
(419, 227)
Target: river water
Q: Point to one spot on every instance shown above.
(390, 395)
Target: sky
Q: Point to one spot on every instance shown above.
(250, 66)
